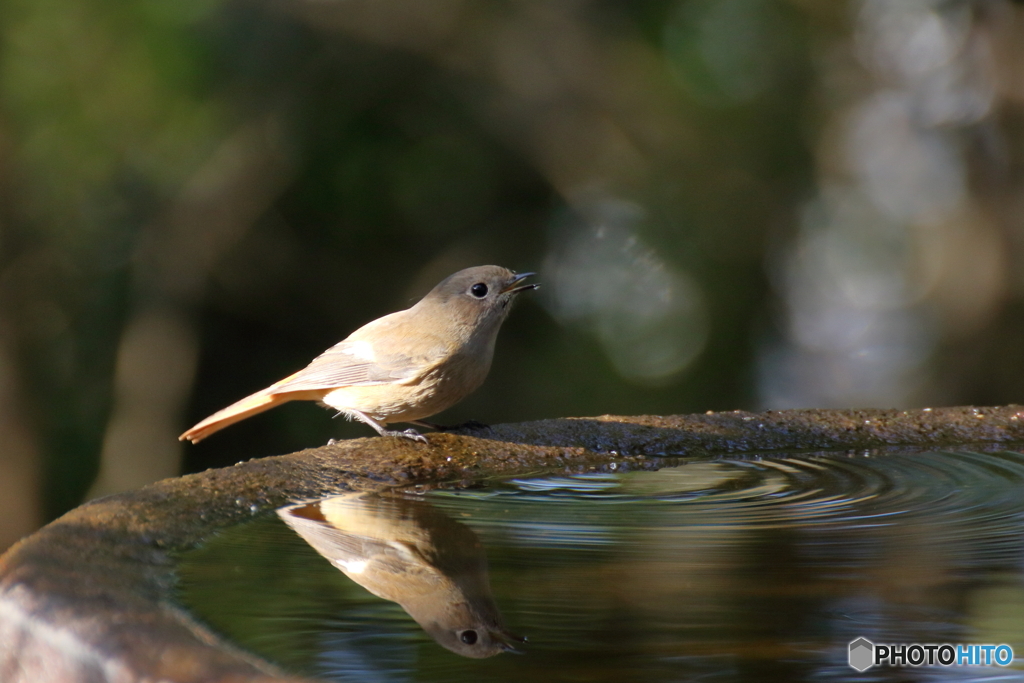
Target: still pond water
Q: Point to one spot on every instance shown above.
(741, 570)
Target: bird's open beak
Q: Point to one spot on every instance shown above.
(507, 639)
(511, 288)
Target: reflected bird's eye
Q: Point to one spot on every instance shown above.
(479, 290)
(469, 637)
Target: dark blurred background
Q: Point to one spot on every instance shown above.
(730, 204)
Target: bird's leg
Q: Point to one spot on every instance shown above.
(411, 434)
(469, 424)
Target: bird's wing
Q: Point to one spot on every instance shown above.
(381, 566)
(346, 365)
(391, 357)
(337, 545)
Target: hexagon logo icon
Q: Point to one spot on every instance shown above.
(862, 654)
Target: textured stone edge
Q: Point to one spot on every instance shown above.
(91, 595)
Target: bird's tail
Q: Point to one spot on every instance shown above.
(247, 407)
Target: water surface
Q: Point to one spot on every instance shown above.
(741, 570)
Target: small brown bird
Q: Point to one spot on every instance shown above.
(403, 367)
(405, 550)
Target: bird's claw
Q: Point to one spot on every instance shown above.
(410, 434)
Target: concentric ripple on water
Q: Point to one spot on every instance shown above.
(756, 569)
(835, 489)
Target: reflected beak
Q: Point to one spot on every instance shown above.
(506, 639)
(511, 288)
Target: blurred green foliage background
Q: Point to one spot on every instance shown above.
(730, 204)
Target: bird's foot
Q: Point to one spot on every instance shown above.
(331, 442)
(410, 434)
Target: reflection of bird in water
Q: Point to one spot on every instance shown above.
(405, 550)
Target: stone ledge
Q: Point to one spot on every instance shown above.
(90, 596)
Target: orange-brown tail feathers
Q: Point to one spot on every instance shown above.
(247, 407)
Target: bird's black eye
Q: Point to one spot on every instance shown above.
(468, 637)
(479, 290)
